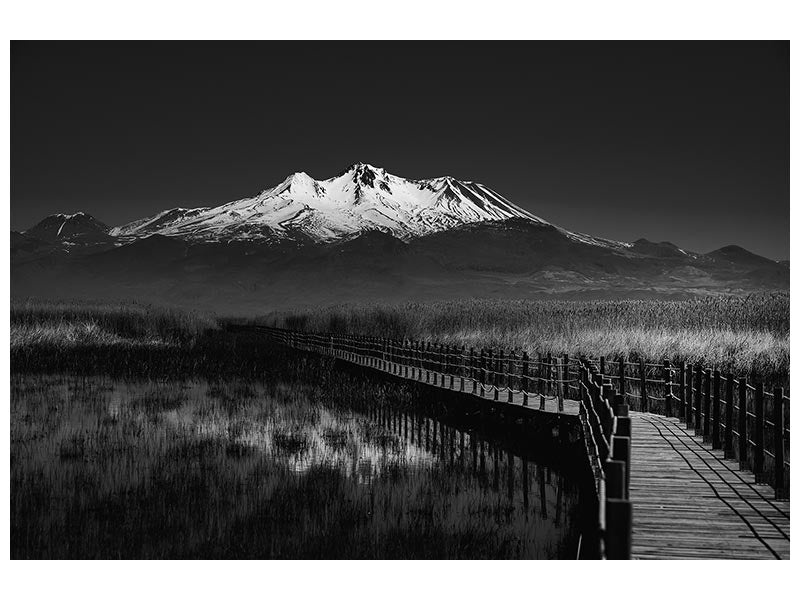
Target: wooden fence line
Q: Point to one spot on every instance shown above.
(748, 423)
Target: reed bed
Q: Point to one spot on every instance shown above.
(746, 335)
(243, 469)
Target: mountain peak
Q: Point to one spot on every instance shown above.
(362, 166)
(362, 198)
(66, 227)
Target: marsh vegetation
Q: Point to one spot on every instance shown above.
(104, 468)
(747, 335)
(139, 431)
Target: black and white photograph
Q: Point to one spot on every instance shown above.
(399, 299)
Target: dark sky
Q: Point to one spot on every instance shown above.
(679, 141)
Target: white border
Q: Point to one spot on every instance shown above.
(414, 19)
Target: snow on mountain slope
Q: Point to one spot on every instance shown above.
(362, 198)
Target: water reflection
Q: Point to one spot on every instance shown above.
(393, 474)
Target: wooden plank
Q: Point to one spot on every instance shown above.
(689, 502)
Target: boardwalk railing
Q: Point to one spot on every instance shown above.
(607, 434)
(748, 423)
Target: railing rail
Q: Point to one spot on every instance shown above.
(747, 422)
(750, 424)
(607, 433)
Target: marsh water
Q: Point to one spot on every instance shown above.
(104, 468)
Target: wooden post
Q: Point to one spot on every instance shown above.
(622, 376)
(621, 450)
(777, 419)
(667, 388)
(524, 379)
(565, 377)
(615, 478)
(511, 380)
(698, 400)
(688, 402)
(434, 363)
(500, 377)
(716, 442)
(742, 423)
(602, 365)
(682, 388)
(428, 363)
(707, 406)
(643, 385)
(452, 363)
(472, 363)
(482, 370)
(728, 444)
(619, 528)
(539, 372)
(758, 434)
(549, 374)
(490, 367)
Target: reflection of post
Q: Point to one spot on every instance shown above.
(559, 497)
(433, 437)
(496, 466)
(525, 484)
(427, 433)
(412, 427)
(542, 493)
(510, 477)
(483, 457)
(461, 448)
(473, 444)
(452, 446)
(405, 423)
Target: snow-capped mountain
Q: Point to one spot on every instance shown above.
(362, 198)
(380, 237)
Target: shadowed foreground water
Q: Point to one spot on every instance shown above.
(102, 468)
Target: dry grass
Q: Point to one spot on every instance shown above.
(128, 340)
(108, 469)
(745, 335)
(73, 324)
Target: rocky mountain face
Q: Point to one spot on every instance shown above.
(360, 236)
(362, 198)
(79, 228)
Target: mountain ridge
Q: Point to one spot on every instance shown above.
(362, 235)
(361, 198)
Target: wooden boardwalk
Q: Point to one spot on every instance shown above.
(466, 385)
(689, 502)
(684, 500)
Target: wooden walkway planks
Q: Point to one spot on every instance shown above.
(689, 502)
